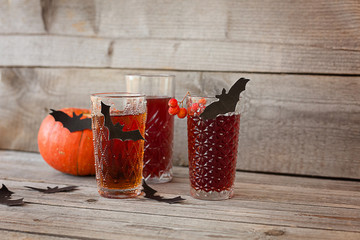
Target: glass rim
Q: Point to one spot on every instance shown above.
(117, 95)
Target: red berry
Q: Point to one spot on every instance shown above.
(202, 101)
(182, 113)
(194, 107)
(174, 110)
(173, 102)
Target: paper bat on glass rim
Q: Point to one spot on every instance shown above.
(227, 101)
(72, 123)
(116, 131)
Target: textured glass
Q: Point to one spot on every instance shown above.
(159, 89)
(119, 163)
(212, 149)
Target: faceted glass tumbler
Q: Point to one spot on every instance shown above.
(159, 132)
(212, 151)
(118, 161)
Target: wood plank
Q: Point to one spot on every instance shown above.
(112, 224)
(273, 191)
(10, 235)
(43, 50)
(233, 56)
(327, 24)
(194, 55)
(21, 17)
(254, 212)
(52, 214)
(299, 124)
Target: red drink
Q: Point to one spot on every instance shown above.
(158, 140)
(118, 163)
(212, 148)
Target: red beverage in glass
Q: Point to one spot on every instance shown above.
(213, 152)
(159, 125)
(159, 135)
(118, 163)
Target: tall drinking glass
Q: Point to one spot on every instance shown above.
(212, 150)
(159, 89)
(118, 124)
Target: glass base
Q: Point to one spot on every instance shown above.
(164, 178)
(212, 195)
(119, 193)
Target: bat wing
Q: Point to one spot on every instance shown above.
(227, 101)
(116, 131)
(237, 88)
(132, 135)
(105, 110)
(60, 116)
(84, 124)
(212, 110)
(72, 123)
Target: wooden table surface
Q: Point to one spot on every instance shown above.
(265, 206)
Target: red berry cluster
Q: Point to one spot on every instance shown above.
(197, 108)
(174, 108)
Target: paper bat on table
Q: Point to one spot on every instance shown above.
(150, 193)
(72, 123)
(116, 131)
(5, 195)
(54, 189)
(227, 101)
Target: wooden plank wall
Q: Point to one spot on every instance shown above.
(301, 111)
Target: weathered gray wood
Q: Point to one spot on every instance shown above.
(64, 51)
(329, 24)
(21, 17)
(293, 210)
(298, 124)
(11, 235)
(44, 50)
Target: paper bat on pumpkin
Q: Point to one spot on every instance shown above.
(72, 123)
(116, 131)
(227, 101)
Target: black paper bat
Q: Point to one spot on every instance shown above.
(54, 189)
(150, 193)
(116, 131)
(72, 123)
(227, 101)
(5, 195)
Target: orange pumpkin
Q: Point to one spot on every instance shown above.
(67, 152)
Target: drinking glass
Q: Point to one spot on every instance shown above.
(159, 89)
(212, 150)
(118, 147)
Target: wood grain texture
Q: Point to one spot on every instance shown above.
(327, 24)
(264, 207)
(21, 17)
(63, 51)
(297, 124)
